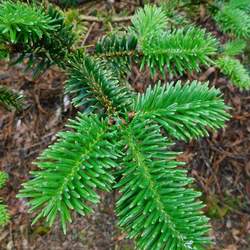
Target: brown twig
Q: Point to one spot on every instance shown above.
(87, 35)
(101, 20)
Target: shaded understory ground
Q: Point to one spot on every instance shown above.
(220, 165)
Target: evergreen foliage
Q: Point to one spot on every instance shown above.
(53, 47)
(233, 18)
(65, 183)
(148, 22)
(117, 51)
(234, 47)
(185, 112)
(4, 214)
(235, 71)
(39, 34)
(117, 141)
(151, 185)
(178, 51)
(150, 44)
(95, 86)
(155, 207)
(10, 99)
(23, 23)
(3, 178)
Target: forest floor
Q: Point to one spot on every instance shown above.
(220, 164)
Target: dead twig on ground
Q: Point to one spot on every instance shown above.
(101, 20)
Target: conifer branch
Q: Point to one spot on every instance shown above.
(117, 51)
(10, 99)
(23, 23)
(4, 214)
(234, 47)
(234, 21)
(95, 86)
(117, 132)
(236, 72)
(154, 194)
(184, 111)
(148, 22)
(178, 51)
(39, 34)
(3, 178)
(66, 183)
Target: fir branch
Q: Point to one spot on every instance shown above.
(233, 20)
(234, 47)
(123, 134)
(53, 47)
(118, 52)
(236, 72)
(178, 51)
(148, 22)
(4, 214)
(240, 4)
(95, 86)
(39, 34)
(10, 99)
(185, 112)
(71, 169)
(23, 23)
(155, 207)
(3, 178)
